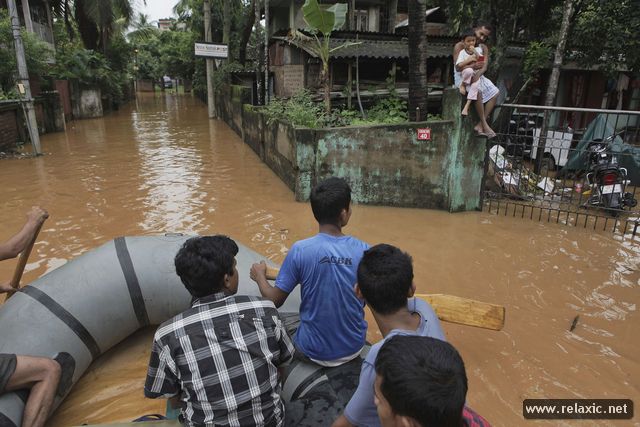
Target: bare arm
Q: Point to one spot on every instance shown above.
(259, 275)
(469, 62)
(17, 243)
(5, 287)
(456, 51)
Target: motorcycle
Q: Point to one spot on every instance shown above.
(606, 179)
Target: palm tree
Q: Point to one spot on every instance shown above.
(417, 59)
(142, 30)
(97, 20)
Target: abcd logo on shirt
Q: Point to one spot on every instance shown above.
(335, 260)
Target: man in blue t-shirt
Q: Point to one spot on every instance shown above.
(332, 327)
(385, 281)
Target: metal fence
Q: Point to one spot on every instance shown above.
(539, 167)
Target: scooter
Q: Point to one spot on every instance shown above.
(606, 179)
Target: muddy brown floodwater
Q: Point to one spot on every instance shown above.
(159, 165)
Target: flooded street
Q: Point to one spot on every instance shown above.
(159, 165)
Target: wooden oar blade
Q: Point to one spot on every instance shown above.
(272, 273)
(450, 308)
(464, 311)
(22, 262)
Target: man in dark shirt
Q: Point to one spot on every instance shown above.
(220, 357)
(40, 375)
(421, 382)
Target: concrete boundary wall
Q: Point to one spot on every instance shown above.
(385, 164)
(49, 117)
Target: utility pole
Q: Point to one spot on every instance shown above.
(266, 52)
(258, 76)
(208, 37)
(23, 77)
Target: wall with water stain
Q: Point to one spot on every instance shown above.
(49, 117)
(385, 165)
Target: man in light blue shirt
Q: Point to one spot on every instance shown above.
(332, 328)
(385, 281)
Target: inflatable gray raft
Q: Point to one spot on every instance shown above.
(97, 300)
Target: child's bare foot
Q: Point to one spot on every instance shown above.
(488, 132)
(463, 90)
(478, 128)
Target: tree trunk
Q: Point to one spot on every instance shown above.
(226, 21)
(87, 29)
(558, 57)
(266, 52)
(258, 16)
(324, 77)
(393, 13)
(552, 87)
(249, 20)
(417, 60)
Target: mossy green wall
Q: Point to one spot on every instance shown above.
(385, 165)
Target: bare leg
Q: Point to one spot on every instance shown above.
(463, 89)
(480, 110)
(486, 129)
(488, 108)
(41, 375)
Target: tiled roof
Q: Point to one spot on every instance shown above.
(373, 48)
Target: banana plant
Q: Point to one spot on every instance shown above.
(320, 23)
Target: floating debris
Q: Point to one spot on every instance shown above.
(574, 323)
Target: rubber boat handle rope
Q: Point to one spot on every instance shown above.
(450, 308)
(22, 262)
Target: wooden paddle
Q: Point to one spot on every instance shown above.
(454, 309)
(22, 262)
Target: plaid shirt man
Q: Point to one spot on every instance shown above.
(221, 357)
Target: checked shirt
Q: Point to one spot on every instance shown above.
(221, 357)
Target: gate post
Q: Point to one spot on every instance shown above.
(465, 156)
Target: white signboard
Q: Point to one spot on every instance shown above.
(212, 50)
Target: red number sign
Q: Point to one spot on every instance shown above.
(424, 134)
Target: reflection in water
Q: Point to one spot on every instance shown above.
(169, 167)
(160, 165)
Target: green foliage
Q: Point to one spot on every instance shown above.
(302, 110)
(299, 110)
(36, 53)
(148, 59)
(91, 68)
(605, 33)
(221, 75)
(388, 110)
(12, 94)
(537, 56)
(324, 20)
(176, 53)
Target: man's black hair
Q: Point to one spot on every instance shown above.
(329, 198)
(385, 275)
(485, 24)
(469, 32)
(423, 378)
(202, 263)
